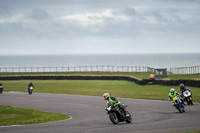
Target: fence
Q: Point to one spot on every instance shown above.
(78, 69)
(185, 70)
(176, 70)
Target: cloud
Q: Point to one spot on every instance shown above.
(93, 18)
(18, 18)
(99, 26)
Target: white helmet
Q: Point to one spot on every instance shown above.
(172, 90)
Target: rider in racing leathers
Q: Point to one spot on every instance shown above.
(172, 94)
(30, 85)
(114, 100)
(182, 89)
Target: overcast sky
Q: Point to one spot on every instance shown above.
(99, 26)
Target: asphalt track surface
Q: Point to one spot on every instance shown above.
(89, 116)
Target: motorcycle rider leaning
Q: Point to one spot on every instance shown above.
(114, 100)
(172, 94)
(182, 89)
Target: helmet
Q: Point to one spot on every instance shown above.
(172, 91)
(182, 86)
(106, 95)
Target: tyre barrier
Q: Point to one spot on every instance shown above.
(192, 83)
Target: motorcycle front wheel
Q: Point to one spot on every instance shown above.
(179, 108)
(191, 101)
(113, 117)
(30, 91)
(188, 101)
(128, 117)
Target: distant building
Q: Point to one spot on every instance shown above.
(160, 73)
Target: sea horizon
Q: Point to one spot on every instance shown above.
(91, 54)
(154, 60)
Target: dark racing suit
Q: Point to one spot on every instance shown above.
(182, 89)
(29, 85)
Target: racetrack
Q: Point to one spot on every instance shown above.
(89, 116)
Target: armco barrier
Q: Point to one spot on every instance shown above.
(193, 83)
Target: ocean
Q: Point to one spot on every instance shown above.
(149, 60)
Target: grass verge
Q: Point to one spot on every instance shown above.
(123, 89)
(137, 75)
(19, 116)
(193, 132)
(184, 76)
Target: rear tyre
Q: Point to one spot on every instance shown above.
(113, 117)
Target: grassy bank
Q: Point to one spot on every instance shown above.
(184, 76)
(137, 75)
(122, 89)
(18, 116)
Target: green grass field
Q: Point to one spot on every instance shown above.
(184, 76)
(18, 116)
(123, 89)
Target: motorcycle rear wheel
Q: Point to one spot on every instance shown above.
(113, 117)
(188, 102)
